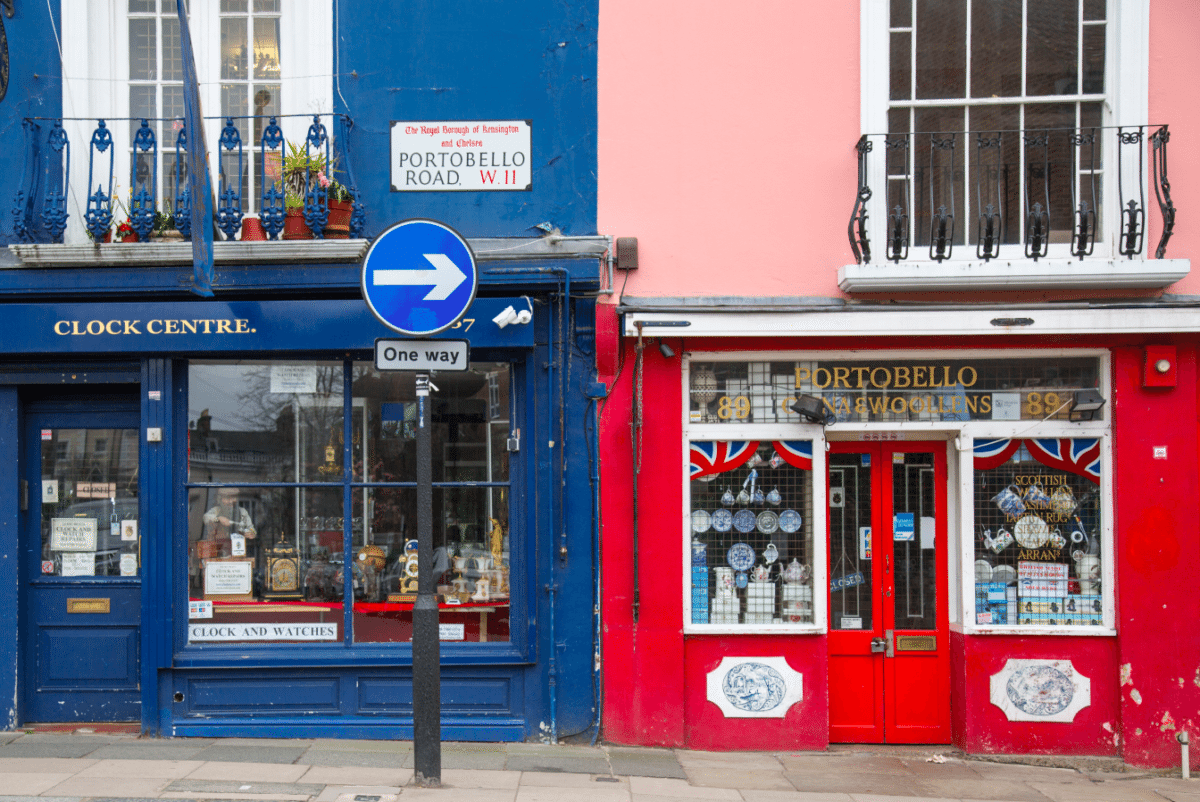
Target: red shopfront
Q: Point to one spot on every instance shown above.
(987, 545)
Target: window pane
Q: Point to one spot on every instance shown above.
(996, 49)
(143, 50)
(914, 561)
(751, 533)
(266, 103)
(901, 13)
(1050, 164)
(266, 47)
(248, 421)
(249, 555)
(938, 172)
(467, 410)
(1052, 49)
(172, 56)
(141, 104)
(1093, 59)
(901, 58)
(172, 111)
(851, 605)
(92, 529)
(472, 564)
(233, 48)
(1093, 9)
(996, 170)
(1037, 558)
(266, 6)
(941, 49)
(143, 6)
(233, 6)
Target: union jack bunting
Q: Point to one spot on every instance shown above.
(1080, 456)
(797, 453)
(718, 456)
(992, 453)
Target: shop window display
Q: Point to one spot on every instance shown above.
(270, 532)
(751, 532)
(1038, 554)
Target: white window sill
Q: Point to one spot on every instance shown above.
(1021, 274)
(1039, 631)
(148, 254)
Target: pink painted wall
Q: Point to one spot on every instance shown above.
(727, 132)
(726, 143)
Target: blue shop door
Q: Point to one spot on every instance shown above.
(81, 566)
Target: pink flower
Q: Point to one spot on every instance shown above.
(324, 180)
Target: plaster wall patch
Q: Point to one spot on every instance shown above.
(754, 687)
(1127, 674)
(1136, 696)
(1040, 690)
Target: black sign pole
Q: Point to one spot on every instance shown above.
(426, 646)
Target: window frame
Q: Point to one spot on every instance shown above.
(518, 647)
(1126, 103)
(95, 50)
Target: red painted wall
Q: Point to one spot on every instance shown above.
(1158, 556)
(982, 728)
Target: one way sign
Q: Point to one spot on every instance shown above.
(422, 356)
(419, 277)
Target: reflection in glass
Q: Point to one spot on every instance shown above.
(90, 503)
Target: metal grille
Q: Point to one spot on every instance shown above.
(913, 544)
(851, 601)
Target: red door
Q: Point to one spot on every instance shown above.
(889, 663)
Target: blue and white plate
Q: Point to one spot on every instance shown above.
(789, 521)
(740, 557)
(722, 520)
(700, 521)
(743, 521)
(767, 522)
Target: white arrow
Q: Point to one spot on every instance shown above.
(445, 277)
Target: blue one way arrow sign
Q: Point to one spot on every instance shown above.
(419, 277)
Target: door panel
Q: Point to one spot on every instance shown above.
(889, 669)
(81, 564)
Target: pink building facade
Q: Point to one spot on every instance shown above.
(901, 435)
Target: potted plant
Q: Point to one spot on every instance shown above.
(300, 170)
(164, 228)
(341, 206)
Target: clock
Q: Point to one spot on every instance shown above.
(283, 572)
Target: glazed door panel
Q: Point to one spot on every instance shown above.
(81, 566)
(889, 678)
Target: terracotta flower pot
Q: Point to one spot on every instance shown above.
(253, 231)
(338, 224)
(294, 226)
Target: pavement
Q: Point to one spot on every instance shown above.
(84, 766)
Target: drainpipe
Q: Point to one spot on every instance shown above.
(1183, 749)
(596, 574)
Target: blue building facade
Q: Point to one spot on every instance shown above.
(207, 505)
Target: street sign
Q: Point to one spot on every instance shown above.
(419, 277)
(422, 356)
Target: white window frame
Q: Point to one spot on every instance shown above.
(1127, 58)
(960, 496)
(95, 51)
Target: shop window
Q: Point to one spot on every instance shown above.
(270, 531)
(751, 532)
(1038, 532)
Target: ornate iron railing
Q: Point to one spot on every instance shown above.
(1031, 194)
(40, 207)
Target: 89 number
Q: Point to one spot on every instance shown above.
(737, 407)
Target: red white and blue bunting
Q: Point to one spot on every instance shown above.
(718, 456)
(797, 453)
(1077, 455)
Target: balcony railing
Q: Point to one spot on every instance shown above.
(1011, 195)
(248, 177)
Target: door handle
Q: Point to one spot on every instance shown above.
(878, 646)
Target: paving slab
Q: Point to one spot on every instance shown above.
(145, 750)
(615, 793)
(110, 786)
(245, 787)
(479, 761)
(172, 769)
(33, 782)
(345, 775)
(459, 795)
(950, 770)
(26, 750)
(645, 763)
(378, 760)
(480, 778)
(732, 777)
(860, 782)
(347, 793)
(1023, 773)
(534, 779)
(54, 765)
(666, 786)
(983, 789)
(551, 762)
(249, 772)
(250, 753)
(354, 745)
(758, 761)
(794, 796)
(1090, 792)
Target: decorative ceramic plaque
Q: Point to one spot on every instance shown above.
(1040, 690)
(754, 687)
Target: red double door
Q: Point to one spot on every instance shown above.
(889, 664)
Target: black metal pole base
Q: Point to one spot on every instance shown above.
(427, 701)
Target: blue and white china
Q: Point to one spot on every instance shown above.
(770, 553)
(722, 520)
(743, 521)
(740, 557)
(701, 521)
(789, 521)
(767, 522)
(742, 579)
